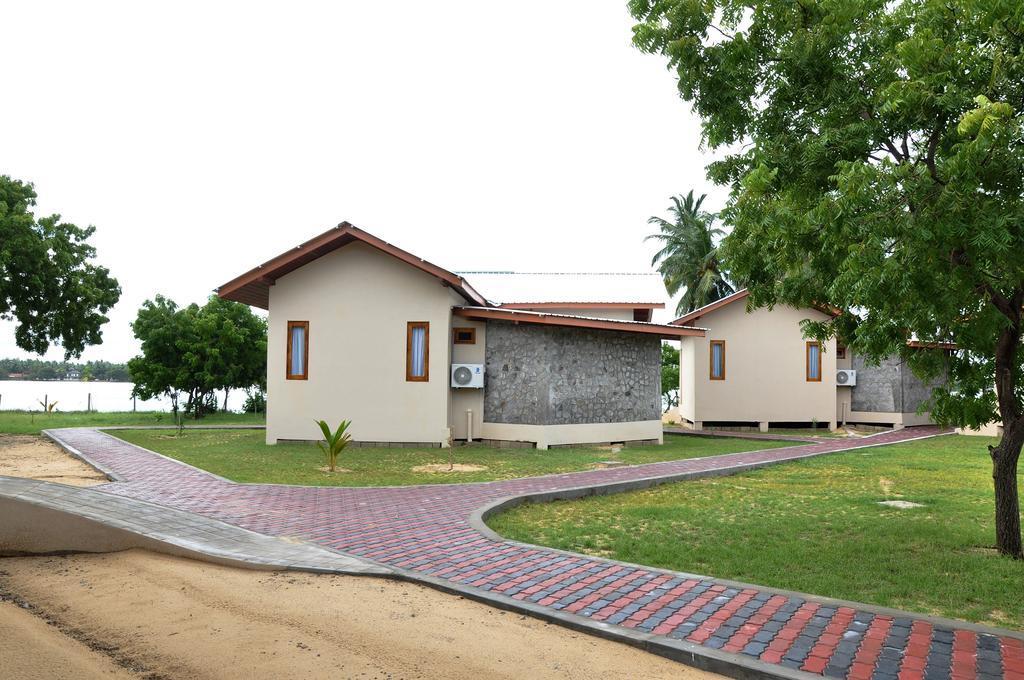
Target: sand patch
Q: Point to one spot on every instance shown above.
(168, 617)
(605, 464)
(901, 505)
(445, 467)
(34, 457)
(337, 470)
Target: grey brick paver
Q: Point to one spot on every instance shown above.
(427, 532)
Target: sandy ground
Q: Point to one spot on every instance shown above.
(23, 455)
(137, 614)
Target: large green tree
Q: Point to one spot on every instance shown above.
(875, 154)
(48, 285)
(192, 351)
(689, 258)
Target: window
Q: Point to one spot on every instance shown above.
(417, 351)
(465, 336)
(840, 352)
(718, 359)
(813, 362)
(297, 362)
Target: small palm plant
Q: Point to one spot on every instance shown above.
(334, 442)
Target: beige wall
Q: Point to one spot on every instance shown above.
(987, 430)
(463, 399)
(687, 384)
(765, 369)
(358, 301)
(589, 433)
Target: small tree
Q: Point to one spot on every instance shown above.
(196, 350)
(669, 376)
(334, 442)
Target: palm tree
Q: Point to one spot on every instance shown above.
(689, 258)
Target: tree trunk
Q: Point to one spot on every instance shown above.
(1004, 477)
(1007, 452)
(226, 390)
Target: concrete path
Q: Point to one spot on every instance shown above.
(435, 534)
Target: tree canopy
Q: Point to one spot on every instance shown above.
(48, 285)
(193, 351)
(875, 155)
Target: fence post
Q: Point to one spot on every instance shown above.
(46, 402)
(133, 403)
(88, 403)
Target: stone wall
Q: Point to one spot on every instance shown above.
(878, 388)
(890, 387)
(550, 375)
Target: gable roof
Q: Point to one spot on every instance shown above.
(717, 304)
(664, 331)
(253, 287)
(741, 294)
(571, 289)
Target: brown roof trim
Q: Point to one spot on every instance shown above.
(582, 305)
(734, 297)
(662, 330)
(924, 344)
(253, 287)
(717, 304)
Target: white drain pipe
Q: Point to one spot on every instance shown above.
(469, 426)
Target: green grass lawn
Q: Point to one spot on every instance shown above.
(31, 422)
(243, 457)
(815, 526)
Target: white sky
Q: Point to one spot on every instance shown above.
(204, 138)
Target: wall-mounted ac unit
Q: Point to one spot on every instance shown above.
(846, 378)
(467, 375)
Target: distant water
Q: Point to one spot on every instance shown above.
(74, 396)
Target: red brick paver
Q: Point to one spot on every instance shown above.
(426, 531)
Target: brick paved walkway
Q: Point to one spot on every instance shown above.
(428, 533)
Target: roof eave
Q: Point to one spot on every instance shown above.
(663, 331)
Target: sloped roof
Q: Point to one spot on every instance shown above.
(553, 288)
(741, 294)
(701, 311)
(664, 331)
(253, 287)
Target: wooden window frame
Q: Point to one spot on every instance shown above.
(840, 351)
(409, 377)
(468, 329)
(807, 360)
(711, 360)
(305, 352)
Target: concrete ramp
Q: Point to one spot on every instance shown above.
(38, 517)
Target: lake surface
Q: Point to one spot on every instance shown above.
(28, 395)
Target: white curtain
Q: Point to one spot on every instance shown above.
(813, 362)
(419, 347)
(298, 366)
(716, 355)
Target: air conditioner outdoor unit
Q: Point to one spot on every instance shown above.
(846, 377)
(468, 375)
